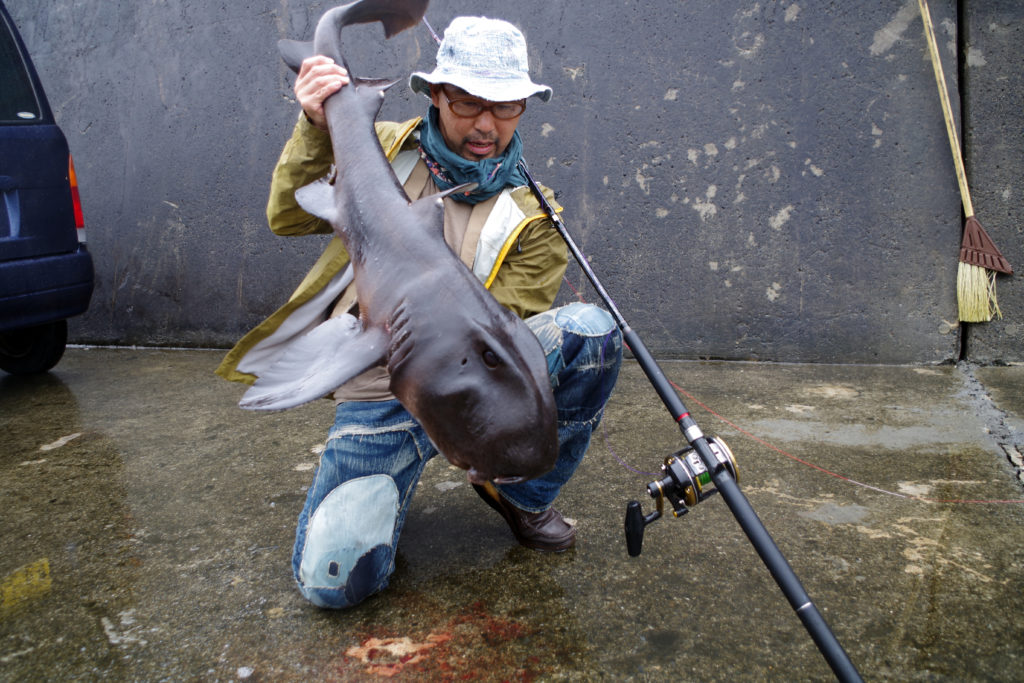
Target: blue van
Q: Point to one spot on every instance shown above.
(46, 273)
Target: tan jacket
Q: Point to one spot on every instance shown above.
(511, 247)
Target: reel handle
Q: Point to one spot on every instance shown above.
(636, 522)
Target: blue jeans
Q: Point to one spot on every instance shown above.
(376, 451)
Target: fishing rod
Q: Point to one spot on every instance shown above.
(690, 472)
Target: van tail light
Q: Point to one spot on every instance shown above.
(76, 200)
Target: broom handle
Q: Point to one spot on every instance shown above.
(947, 110)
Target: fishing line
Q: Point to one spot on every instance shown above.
(756, 438)
(830, 472)
(806, 463)
(708, 469)
(782, 451)
(433, 33)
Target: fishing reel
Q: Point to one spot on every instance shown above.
(685, 483)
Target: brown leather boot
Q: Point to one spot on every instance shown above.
(545, 531)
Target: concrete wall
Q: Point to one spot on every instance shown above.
(994, 137)
(750, 179)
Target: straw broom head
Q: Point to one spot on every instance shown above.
(980, 259)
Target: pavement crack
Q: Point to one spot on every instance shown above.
(996, 420)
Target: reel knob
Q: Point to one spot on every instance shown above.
(636, 522)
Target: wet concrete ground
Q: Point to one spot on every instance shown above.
(147, 527)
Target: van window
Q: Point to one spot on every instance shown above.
(18, 102)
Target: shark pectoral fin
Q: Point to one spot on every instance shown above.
(294, 52)
(318, 363)
(317, 199)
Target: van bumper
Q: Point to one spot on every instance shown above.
(34, 291)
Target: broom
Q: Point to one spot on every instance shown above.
(979, 257)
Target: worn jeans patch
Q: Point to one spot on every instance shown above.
(379, 440)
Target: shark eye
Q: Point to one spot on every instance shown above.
(491, 359)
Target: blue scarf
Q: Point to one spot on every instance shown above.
(450, 170)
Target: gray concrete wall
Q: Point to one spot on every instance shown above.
(750, 179)
(994, 137)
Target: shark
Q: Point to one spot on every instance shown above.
(469, 370)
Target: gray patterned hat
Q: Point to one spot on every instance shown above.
(486, 58)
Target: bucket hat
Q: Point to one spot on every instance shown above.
(486, 58)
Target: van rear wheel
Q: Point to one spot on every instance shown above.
(31, 350)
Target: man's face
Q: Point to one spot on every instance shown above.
(476, 138)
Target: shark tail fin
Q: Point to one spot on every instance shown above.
(407, 14)
(395, 15)
(294, 52)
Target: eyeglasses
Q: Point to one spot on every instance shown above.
(469, 108)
